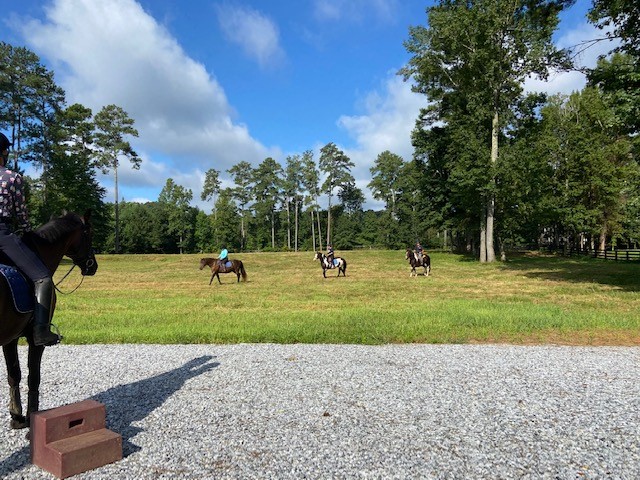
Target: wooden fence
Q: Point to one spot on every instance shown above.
(617, 255)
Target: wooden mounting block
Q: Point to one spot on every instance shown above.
(72, 439)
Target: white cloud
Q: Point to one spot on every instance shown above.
(113, 52)
(576, 39)
(331, 10)
(388, 120)
(386, 124)
(255, 33)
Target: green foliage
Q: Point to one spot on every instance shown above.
(619, 79)
(204, 233)
(175, 199)
(471, 62)
(624, 18)
(144, 228)
(227, 222)
(211, 187)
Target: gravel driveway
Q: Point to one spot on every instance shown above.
(344, 411)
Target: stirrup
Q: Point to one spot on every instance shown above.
(51, 341)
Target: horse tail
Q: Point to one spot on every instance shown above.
(345, 265)
(243, 272)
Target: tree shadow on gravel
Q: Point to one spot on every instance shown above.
(125, 405)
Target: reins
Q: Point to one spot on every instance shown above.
(66, 275)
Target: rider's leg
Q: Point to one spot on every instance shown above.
(42, 334)
(29, 263)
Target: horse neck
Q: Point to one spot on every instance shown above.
(50, 253)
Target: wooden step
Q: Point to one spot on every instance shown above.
(72, 439)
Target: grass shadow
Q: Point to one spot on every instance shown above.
(622, 275)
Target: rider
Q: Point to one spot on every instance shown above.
(419, 251)
(222, 258)
(330, 255)
(13, 210)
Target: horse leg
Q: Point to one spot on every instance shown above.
(14, 375)
(218, 275)
(213, 275)
(324, 272)
(33, 380)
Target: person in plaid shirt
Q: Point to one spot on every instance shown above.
(13, 211)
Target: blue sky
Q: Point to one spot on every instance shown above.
(211, 83)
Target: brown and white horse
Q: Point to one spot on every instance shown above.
(340, 263)
(415, 262)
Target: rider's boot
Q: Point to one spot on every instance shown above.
(42, 334)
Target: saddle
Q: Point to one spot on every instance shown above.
(20, 289)
(224, 266)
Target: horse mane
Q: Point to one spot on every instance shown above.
(56, 228)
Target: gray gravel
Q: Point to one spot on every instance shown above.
(344, 411)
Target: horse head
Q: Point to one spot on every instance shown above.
(203, 263)
(80, 248)
(318, 256)
(69, 235)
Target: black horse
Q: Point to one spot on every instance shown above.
(236, 267)
(69, 235)
(324, 263)
(415, 262)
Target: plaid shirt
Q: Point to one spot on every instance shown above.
(12, 201)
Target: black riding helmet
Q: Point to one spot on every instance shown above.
(4, 142)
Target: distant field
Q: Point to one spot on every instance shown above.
(530, 299)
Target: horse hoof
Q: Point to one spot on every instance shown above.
(19, 423)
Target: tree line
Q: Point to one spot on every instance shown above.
(492, 169)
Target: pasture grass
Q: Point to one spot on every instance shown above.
(530, 299)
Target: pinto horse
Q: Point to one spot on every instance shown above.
(69, 235)
(236, 267)
(415, 261)
(324, 263)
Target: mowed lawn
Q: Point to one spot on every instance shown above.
(529, 299)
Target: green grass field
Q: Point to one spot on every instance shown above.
(530, 299)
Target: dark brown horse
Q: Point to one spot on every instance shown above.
(340, 264)
(236, 267)
(68, 235)
(415, 261)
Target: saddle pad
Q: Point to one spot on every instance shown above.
(22, 295)
(335, 262)
(228, 264)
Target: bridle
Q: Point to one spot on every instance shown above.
(87, 260)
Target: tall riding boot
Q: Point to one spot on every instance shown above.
(42, 335)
